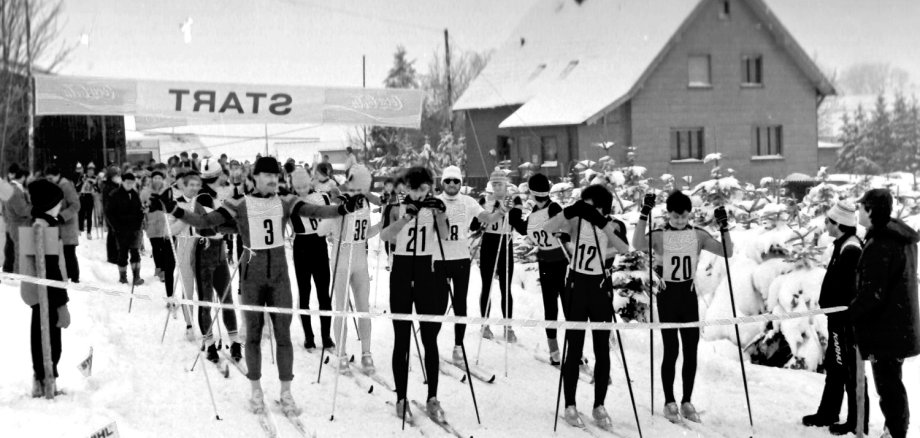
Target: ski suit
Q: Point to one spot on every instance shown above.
(455, 265)
(311, 259)
(212, 273)
(260, 219)
(495, 258)
(185, 255)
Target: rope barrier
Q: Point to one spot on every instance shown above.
(516, 322)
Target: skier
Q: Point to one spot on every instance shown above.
(212, 273)
(587, 293)
(495, 253)
(411, 229)
(125, 215)
(311, 259)
(677, 250)
(188, 184)
(356, 230)
(838, 289)
(462, 210)
(551, 258)
(260, 219)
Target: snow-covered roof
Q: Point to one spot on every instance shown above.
(567, 63)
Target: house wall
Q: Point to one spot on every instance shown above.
(615, 126)
(482, 131)
(528, 147)
(827, 157)
(726, 110)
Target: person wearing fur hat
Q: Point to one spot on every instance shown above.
(455, 265)
(551, 258)
(47, 199)
(311, 260)
(70, 209)
(126, 216)
(838, 289)
(260, 219)
(496, 251)
(351, 253)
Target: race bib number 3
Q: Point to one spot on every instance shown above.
(265, 218)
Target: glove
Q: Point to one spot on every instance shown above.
(648, 203)
(154, 204)
(576, 209)
(412, 207)
(349, 203)
(63, 317)
(594, 217)
(164, 200)
(721, 218)
(518, 202)
(434, 204)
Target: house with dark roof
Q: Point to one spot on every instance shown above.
(676, 79)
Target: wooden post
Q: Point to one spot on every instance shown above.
(450, 115)
(38, 233)
(860, 393)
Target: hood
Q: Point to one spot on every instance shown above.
(901, 232)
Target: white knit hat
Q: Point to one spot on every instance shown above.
(844, 213)
(451, 172)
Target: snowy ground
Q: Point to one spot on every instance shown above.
(143, 385)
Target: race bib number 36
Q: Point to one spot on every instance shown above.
(265, 218)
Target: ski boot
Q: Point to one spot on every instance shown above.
(328, 345)
(458, 355)
(688, 411)
(289, 406)
(212, 354)
(572, 417)
(510, 337)
(136, 269)
(189, 333)
(123, 274)
(845, 429)
(819, 420)
(367, 363)
(236, 351)
(257, 402)
(434, 411)
(555, 359)
(309, 344)
(601, 418)
(486, 333)
(343, 363)
(38, 389)
(403, 405)
(672, 413)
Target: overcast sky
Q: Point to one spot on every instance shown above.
(313, 42)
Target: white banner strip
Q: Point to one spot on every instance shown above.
(540, 323)
(173, 103)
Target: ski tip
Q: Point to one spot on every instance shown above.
(492, 380)
(326, 361)
(332, 418)
(217, 417)
(371, 391)
(463, 379)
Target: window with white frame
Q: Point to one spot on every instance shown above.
(687, 144)
(698, 71)
(767, 141)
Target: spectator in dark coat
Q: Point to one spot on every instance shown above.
(70, 212)
(838, 289)
(126, 217)
(111, 183)
(885, 310)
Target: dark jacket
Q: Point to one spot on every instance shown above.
(885, 310)
(70, 209)
(124, 211)
(839, 285)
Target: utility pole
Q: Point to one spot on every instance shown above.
(266, 139)
(31, 85)
(364, 85)
(450, 114)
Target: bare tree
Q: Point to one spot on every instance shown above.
(14, 55)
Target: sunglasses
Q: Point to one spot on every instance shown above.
(451, 181)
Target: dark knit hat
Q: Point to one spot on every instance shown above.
(45, 195)
(128, 177)
(539, 185)
(266, 165)
(157, 173)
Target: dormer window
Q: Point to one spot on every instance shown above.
(726, 9)
(568, 69)
(537, 72)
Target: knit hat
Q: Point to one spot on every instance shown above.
(91, 165)
(79, 166)
(157, 173)
(359, 178)
(539, 185)
(128, 177)
(45, 195)
(498, 175)
(451, 172)
(210, 168)
(266, 165)
(844, 213)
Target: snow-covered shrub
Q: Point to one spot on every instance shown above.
(631, 284)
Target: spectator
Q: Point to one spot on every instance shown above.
(838, 289)
(323, 181)
(885, 310)
(16, 213)
(87, 186)
(70, 210)
(350, 158)
(125, 215)
(48, 198)
(110, 184)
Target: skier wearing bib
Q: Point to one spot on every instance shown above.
(551, 258)
(677, 250)
(189, 184)
(412, 282)
(212, 272)
(496, 251)
(260, 219)
(351, 251)
(587, 295)
(311, 260)
(462, 210)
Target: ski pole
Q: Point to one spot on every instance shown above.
(271, 336)
(731, 294)
(335, 269)
(418, 349)
(210, 391)
(411, 293)
(501, 239)
(565, 342)
(466, 364)
(651, 317)
(632, 397)
(508, 261)
(223, 297)
(343, 323)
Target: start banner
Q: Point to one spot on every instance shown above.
(157, 104)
